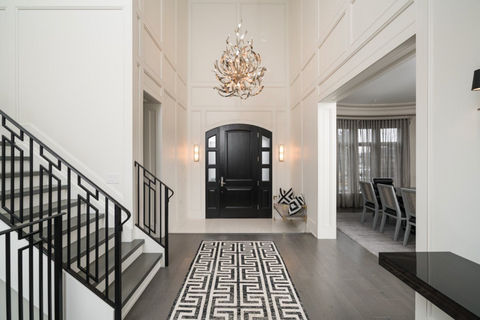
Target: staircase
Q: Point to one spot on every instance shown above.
(37, 183)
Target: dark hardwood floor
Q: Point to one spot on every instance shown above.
(336, 279)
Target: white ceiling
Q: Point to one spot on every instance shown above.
(395, 87)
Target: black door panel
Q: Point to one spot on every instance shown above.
(238, 172)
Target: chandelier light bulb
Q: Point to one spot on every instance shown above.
(239, 71)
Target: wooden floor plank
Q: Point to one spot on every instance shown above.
(335, 279)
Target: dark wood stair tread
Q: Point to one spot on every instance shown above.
(36, 210)
(17, 158)
(36, 190)
(128, 248)
(83, 244)
(26, 174)
(134, 275)
(74, 223)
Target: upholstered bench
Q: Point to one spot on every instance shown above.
(282, 210)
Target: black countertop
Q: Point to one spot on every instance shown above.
(450, 282)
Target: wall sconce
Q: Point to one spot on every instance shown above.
(281, 153)
(476, 81)
(196, 156)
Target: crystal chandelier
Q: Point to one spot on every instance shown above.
(239, 71)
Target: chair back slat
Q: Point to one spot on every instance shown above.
(367, 191)
(409, 197)
(388, 197)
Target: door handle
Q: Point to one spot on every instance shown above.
(222, 183)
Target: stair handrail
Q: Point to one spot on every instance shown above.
(90, 277)
(55, 278)
(66, 163)
(147, 228)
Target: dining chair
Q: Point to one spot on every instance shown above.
(391, 208)
(377, 181)
(409, 197)
(369, 202)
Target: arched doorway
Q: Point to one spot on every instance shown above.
(238, 171)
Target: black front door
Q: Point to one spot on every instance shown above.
(238, 172)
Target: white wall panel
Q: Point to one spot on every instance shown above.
(181, 89)
(182, 38)
(295, 152)
(3, 60)
(309, 27)
(153, 12)
(281, 137)
(208, 97)
(168, 74)
(309, 74)
(182, 158)
(327, 11)
(151, 52)
(266, 23)
(269, 97)
(197, 168)
(310, 158)
(169, 161)
(152, 83)
(294, 37)
(365, 13)
(259, 118)
(334, 46)
(296, 90)
(75, 73)
(168, 27)
(210, 25)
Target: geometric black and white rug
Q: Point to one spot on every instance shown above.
(238, 280)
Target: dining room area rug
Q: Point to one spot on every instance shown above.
(237, 280)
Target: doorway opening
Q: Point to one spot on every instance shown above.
(376, 161)
(151, 133)
(238, 170)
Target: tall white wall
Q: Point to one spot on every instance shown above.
(160, 69)
(338, 40)
(210, 22)
(65, 73)
(448, 147)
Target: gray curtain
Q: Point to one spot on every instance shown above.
(369, 149)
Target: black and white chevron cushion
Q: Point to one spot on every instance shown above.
(285, 196)
(295, 206)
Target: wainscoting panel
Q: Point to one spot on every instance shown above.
(334, 46)
(309, 74)
(295, 90)
(365, 13)
(328, 12)
(309, 27)
(208, 97)
(168, 74)
(151, 52)
(152, 11)
(208, 39)
(168, 29)
(266, 23)
(270, 97)
(3, 59)
(259, 118)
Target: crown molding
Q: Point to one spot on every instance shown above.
(376, 110)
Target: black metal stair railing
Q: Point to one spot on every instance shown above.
(41, 280)
(37, 183)
(152, 207)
